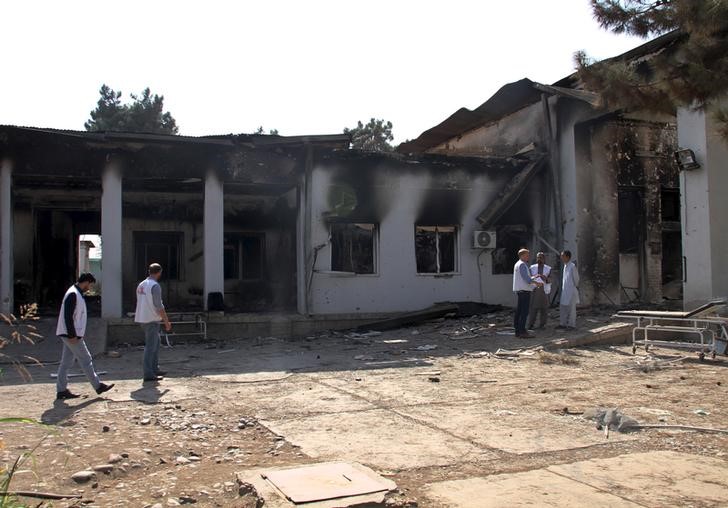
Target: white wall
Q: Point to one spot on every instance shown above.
(705, 208)
(397, 286)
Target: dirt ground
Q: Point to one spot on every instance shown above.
(430, 407)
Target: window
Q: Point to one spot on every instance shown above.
(436, 249)
(670, 204)
(161, 247)
(508, 241)
(631, 216)
(243, 256)
(352, 248)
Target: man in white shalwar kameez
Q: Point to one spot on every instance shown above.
(569, 292)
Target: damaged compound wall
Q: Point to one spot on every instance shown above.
(394, 234)
(629, 234)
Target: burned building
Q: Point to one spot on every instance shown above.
(610, 191)
(247, 224)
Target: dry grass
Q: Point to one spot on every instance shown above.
(557, 358)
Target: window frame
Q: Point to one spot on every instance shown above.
(456, 248)
(147, 238)
(375, 249)
(235, 240)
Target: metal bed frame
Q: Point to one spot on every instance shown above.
(695, 322)
(186, 319)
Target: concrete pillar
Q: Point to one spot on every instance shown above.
(111, 234)
(704, 208)
(6, 237)
(214, 229)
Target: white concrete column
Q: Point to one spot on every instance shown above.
(6, 236)
(704, 208)
(111, 234)
(214, 228)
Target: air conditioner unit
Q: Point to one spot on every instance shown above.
(484, 240)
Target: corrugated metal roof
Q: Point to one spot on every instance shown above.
(515, 96)
(220, 140)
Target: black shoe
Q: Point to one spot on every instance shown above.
(66, 394)
(161, 373)
(154, 379)
(104, 388)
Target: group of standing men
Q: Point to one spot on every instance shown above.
(532, 285)
(71, 329)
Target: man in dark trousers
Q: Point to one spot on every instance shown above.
(523, 285)
(71, 330)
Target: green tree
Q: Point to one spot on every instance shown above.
(145, 113)
(691, 71)
(375, 136)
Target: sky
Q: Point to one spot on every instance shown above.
(302, 67)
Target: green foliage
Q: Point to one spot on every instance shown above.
(145, 113)
(375, 136)
(690, 72)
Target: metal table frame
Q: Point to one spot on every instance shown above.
(712, 327)
(186, 318)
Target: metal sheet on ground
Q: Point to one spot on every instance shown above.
(332, 480)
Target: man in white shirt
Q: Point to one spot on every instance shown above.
(569, 292)
(539, 297)
(523, 285)
(71, 329)
(150, 314)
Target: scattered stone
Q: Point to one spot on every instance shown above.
(434, 379)
(701, 412)
(125, 455)
(145, 421)
(104, 468)
(172, 502)
(83, 476)
(182, 460)
(194, 458)
(147, 450)
(113, 354)
(115, 458)
(105, 428)
(187, 500)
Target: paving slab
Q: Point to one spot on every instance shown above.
(295, 396)
(532, 488)
(274, 498)
(512, 428)
(660, 478)
(379, 438)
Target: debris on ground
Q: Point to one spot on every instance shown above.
(557, 358)
(612, 419)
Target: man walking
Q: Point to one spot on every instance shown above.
(539, 296)
(569, 292)
(523, 284)
(71, 329)
(150, 313)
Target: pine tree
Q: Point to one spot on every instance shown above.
(144, 114)
(375, 136)
(691, 70)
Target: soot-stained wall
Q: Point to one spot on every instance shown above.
(397, 196)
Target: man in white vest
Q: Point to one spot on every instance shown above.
(150, 314)
(569, 292)
(523, 285)
(71, 330)
(539, 298)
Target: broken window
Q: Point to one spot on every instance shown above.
(161, 247)
(243, 256)
(508, 241)
(670, 204)
(631, 217)
(352, 248)
(435, 249)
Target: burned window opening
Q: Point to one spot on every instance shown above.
(243, 256)
(436, 249)
(352, 248)
(670, 204)
(508, 241)
(631, 217)
(163, 247)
